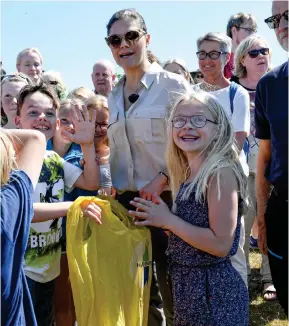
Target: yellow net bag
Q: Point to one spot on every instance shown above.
(110, 266)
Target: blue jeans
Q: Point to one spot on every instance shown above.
(42, 295)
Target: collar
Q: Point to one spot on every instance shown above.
(147, 79)
(285, 71)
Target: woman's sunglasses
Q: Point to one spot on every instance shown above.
(254, 53)
(274, 21)
(115, 40)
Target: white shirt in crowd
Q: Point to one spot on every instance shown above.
(241, 116)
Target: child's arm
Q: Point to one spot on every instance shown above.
(30, 146)
(84, 136)
(50, 211)
(216, 240)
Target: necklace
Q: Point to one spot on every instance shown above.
(208, 87)
(134, 96)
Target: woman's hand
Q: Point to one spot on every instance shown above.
(84, 127)
(155, 212)
(91, 210)
(157, 185)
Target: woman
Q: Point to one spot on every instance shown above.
(179, 67)
(213, 54)
(137, 134)
(252, 61)
(11, 86)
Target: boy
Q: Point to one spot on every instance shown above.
(37, 106)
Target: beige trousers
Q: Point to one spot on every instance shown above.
(249, 220)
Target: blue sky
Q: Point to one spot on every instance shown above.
(70, 34)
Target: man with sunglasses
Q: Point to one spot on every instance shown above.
(239, 27)
(271, 119)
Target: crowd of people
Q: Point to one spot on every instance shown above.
(200, 158)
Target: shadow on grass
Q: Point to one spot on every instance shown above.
(262, 313)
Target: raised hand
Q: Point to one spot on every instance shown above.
(84, 126)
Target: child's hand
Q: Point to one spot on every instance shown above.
(91, 210)
(84, 127)
(155, 212)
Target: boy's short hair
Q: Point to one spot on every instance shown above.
(239, 19)
(31, 89)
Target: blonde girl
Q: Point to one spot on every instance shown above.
(209, 190)
(100, 105)
(18, 180)
(29, 62)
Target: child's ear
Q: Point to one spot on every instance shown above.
(17, 122)
(57, 124)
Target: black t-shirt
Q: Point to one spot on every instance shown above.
(236, 80)
(271, 118)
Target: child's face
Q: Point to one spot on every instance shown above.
(101, 123)
(9, 94)
(64, 123)
(189, 138)
(38, 113)
(30, 65)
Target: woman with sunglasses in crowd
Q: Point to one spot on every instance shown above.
(137, 135)
(252, 61)
(213, 53)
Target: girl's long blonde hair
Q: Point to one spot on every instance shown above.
(222, 152)
(8, 157)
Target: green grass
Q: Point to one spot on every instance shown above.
(262, 313)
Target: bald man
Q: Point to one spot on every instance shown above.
(103, 76)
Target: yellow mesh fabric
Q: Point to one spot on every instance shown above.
(110, 266)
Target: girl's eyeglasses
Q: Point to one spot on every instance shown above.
(254, 53)
(115, 40)
(214, 55)
(198, 121)
(274, 21)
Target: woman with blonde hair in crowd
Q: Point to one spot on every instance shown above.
(252, 61)
(179, 67)
(54, 79)
(11, 86)
(29, 62)
(209, 191)
(18, 181)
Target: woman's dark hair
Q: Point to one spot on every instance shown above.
(152, 58)
(31, 89)
(127, 14)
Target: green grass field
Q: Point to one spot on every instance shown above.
(262, 313)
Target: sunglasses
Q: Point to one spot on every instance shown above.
(214, 55)
(254, 53)
(198, 121)
(115, 40)
(274, 21)
(247, 29)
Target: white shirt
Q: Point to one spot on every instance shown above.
(240, 118)
(137, 138)
(42, 256)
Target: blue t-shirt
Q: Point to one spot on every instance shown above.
(16, 216)
(271, 119)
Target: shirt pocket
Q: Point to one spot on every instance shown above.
(150, 125)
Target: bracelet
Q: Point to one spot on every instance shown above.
(163, 174)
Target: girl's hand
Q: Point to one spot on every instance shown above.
(91, 210)
(155, 212)
(84, 127)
